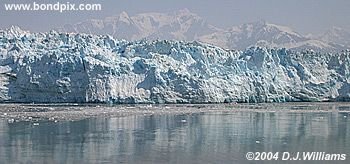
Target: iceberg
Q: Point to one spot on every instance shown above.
(58, 67)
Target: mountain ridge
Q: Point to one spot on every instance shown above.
(188, 26)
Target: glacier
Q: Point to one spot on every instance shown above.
(58, 67)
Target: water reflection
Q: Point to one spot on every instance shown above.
(220, 137)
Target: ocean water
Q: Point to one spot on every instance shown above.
(171, 134)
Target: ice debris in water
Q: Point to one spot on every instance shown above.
(63, 67)
(11, 120)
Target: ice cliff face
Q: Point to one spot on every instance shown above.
(60, 67)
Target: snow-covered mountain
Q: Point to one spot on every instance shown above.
(60, 67)
(336, 35)
(185, 25)
(180, 25)
(267, 35)
(249, 34)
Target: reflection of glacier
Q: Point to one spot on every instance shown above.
(58, 67)
(205, 137)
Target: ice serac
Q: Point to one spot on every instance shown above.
(60, 67)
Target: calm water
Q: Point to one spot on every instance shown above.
(202, 137)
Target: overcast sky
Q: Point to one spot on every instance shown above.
(305, 16)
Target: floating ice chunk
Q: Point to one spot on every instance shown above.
(11, 120)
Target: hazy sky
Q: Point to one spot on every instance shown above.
(305, 16)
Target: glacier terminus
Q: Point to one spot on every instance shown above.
(58, 67)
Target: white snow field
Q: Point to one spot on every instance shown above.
(59, 67)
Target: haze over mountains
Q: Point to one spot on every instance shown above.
(185, 25)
